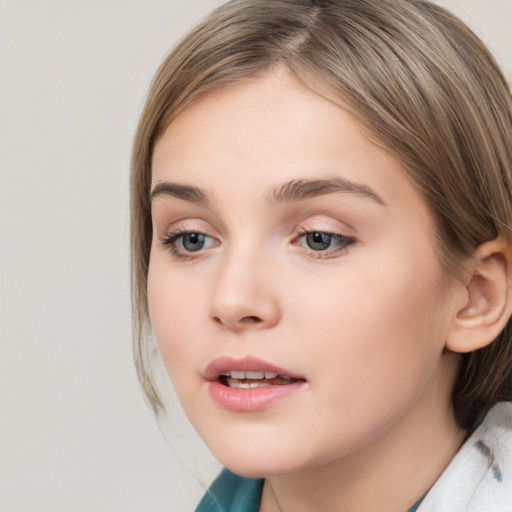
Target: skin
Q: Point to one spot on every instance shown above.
(365, 323)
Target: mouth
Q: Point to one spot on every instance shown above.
(241, 379)
(248, 372)
(250, 384)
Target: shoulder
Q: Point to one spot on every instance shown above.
(232, 493)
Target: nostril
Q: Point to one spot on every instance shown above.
(245, 321)
(250, 320)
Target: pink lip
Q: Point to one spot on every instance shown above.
(247, 364)
(253, 399)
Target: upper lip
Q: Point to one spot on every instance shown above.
(249, 363)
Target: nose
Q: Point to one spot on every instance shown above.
(245, 295)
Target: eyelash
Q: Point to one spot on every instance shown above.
(170, 240)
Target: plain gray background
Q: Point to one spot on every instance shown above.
(75, 433)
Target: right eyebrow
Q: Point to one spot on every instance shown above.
(180, 191)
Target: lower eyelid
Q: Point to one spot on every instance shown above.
(332, 254)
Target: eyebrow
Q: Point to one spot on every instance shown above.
(180, 191)
(298, 190)
(294, 190)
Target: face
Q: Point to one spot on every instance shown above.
(294, 288)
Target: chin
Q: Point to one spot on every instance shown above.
(251, 459)
(258, 468)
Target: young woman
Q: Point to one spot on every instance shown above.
(321, 212)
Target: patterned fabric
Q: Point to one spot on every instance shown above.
(478, 479)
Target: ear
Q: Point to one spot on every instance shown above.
(488, 299)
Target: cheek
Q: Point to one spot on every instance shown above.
(173, 315)
(372, 344)
(382, 321)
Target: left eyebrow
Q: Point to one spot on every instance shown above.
(298, 190)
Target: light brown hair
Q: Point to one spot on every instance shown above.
(425, 87)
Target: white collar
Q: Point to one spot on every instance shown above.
(479, 477)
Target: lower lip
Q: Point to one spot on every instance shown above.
(252, 399)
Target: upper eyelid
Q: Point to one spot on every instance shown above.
(185, 225)
(327, 224)
(302, 232)
(321, 218)
(316, 222)
(177, 233)
(298, 231)
(333, 234)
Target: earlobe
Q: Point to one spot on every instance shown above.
(489, 299)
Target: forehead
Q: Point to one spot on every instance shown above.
(242, 139)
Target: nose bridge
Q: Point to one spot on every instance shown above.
(244, 295)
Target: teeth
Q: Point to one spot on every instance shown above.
(254, 375)
(238, 374)
(253, 379)
(235, 383)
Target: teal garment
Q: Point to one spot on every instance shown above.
(418, 503)
(232, 493)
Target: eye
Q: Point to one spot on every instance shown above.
(183, 244)
(323, 243)
(193, 242)
(318, 241)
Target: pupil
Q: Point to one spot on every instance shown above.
(318, 241)
(193, 242)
